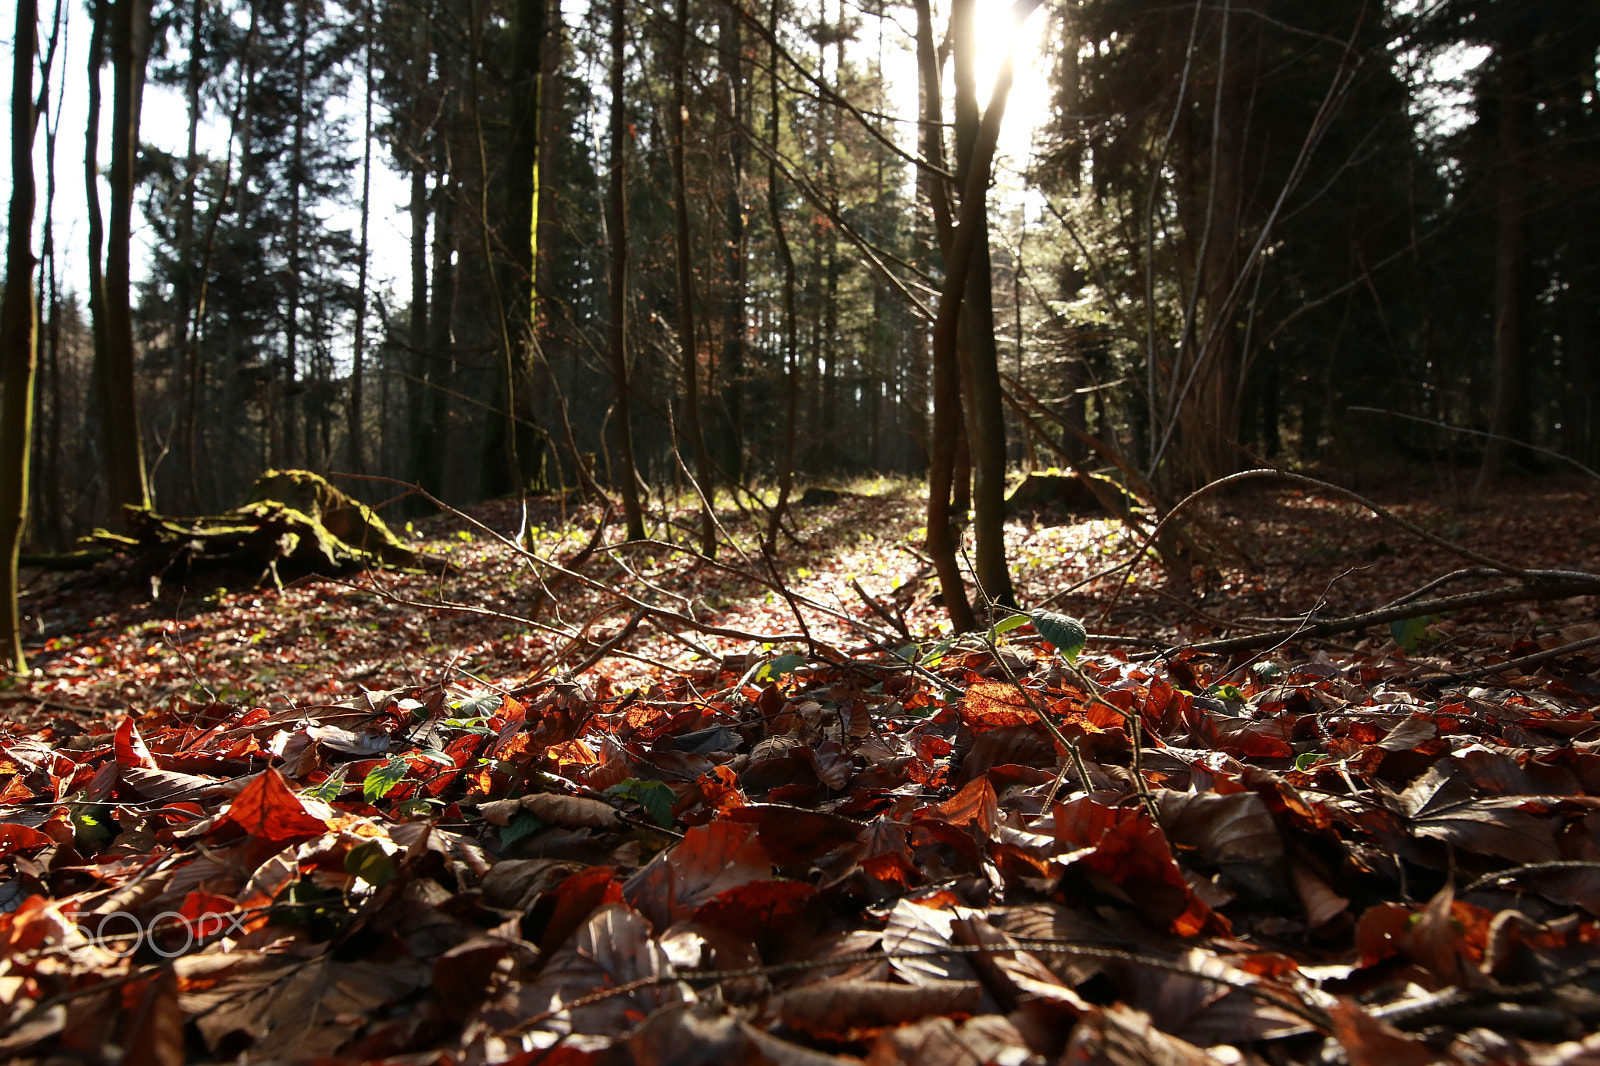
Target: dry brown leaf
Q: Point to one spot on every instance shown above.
(1120, 1036)
(573, 811)
(836, 1008)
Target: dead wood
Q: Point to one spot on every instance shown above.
(294, 522)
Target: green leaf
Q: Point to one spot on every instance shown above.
(1066, 633)
(370, 863)
(1267, 671)
(468, 725)
(935, 654)
(1006, 625)
(329, 789)
(777, 668)
(522, 824)
(1408, 632)
(654, 796)
(381, 781)
(434, 755)
(1227, 690)
(417, 806)
(1307, 760)
(478, 705)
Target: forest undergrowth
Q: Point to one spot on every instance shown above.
(575, 801)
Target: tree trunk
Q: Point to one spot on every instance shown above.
(287, 451)
(968, 282)
(18, 332)
(688, 342)
(503, 468)
(123, 438)
(731, 363)
(182, 347)
(524, 181)
(438, 354)
(791, 355)
(99, 14)
(1509, 398)
(941, 537)
(617, 224)
(354, 428)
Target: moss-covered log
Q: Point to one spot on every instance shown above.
(294, 521)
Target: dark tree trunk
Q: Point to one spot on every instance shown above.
(123, 438)
(979, 358)
(354, 430)
(438, 354)
(99, 14)
(524, 181)
(287, 452)
(617, 224)
(18, 333)
(941, 537)
(731, 363)
(786, 254)
(1509, 416)
(688, 342)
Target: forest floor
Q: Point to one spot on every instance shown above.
(498, 812)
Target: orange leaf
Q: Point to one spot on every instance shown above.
(131, 748)
(268, 809)
(974, 804)
(15, 838)
(988, 704)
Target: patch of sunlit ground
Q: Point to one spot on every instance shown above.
(493, 618)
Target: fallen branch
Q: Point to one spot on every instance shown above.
(1512, 664)
(1327, 627)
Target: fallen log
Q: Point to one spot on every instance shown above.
(294, 522)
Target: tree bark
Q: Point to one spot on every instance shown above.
(731, 363)
(287, 450)
(123, 438)
(790, 353)
(19, 328)
(967, 282)
(617, 224)
(524, 446)
(354, 428)
(941, 537)
(688, 342)
(1509, 399)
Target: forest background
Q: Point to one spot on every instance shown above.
(706, 244)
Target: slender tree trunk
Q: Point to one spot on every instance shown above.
(99, 13)
(986, 428)
(288, 453)
(791, 355)
(355, 431)
(617, 226)
(185, 282)
(731, 363)
(947, 418)
(44, 460)
(18, 332)
(688, 342)
(1509, 398)
(524, 181)
(439, 353)
(123, 440)
(503, 423)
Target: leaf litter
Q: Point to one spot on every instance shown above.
(329, 823)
